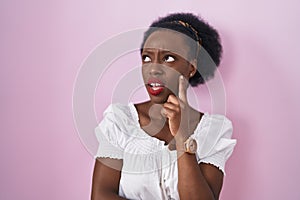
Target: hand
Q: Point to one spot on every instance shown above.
(176, 110)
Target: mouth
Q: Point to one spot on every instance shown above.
(155, 86)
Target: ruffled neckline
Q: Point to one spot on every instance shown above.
(135, 116)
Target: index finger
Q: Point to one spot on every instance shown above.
(182, 88)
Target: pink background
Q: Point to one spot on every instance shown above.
(43, 44)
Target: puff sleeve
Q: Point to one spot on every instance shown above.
(109, 135)
(213, 137)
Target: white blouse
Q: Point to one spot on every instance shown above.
(149, 167)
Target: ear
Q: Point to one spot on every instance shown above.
(193, 67)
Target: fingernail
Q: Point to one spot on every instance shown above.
(181, 77)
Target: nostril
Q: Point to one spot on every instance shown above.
(156, 72)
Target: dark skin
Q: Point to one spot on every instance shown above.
(169, 118)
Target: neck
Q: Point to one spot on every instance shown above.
(154, 111)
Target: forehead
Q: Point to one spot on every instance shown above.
(168, 40)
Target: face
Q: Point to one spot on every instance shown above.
(165, 57)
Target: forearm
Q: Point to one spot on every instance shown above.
(191, 182)
(106, 179)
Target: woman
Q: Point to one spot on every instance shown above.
(163, 148)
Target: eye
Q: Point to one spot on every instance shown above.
(169, 58)
(146, 58)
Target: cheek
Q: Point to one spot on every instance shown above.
(172, 81)
(184, 69)
(145, 73)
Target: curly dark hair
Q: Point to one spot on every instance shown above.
(210, 52)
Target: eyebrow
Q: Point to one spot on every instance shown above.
(152, 50)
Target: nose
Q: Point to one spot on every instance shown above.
(156, 70)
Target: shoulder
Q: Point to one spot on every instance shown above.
(215, 120)
(116, 124)
(117, 108)
(213, 127)
(119, 114)
(218, 118)
(221, 123)
(119, 111)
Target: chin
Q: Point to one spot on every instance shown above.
(158, 100)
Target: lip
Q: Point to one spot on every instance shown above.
(155, 86)
(155, 80)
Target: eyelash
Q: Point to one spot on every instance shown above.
(144, 57)
(164, 59)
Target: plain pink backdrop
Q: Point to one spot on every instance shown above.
(43, 44)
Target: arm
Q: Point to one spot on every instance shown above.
(106, 179)
(198, 181)
(195, 181)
